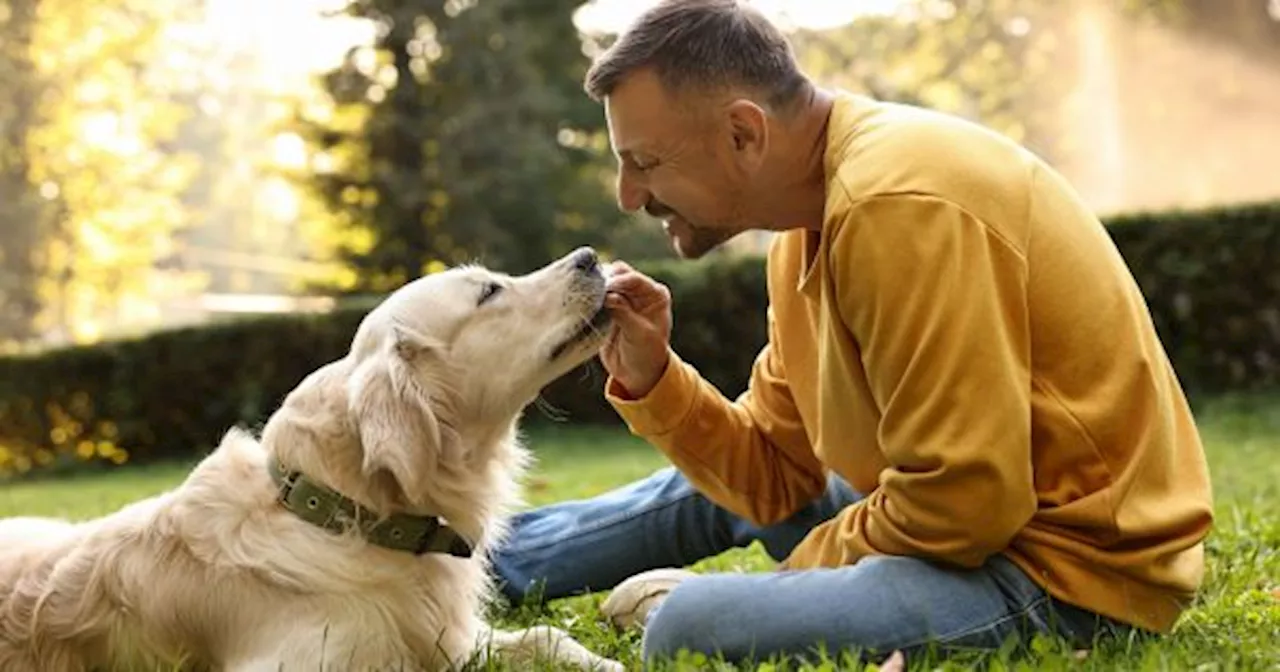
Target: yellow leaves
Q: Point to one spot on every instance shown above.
(439, 199)
(985, 61)
(350, 194)
(75, 434)
(943, 95)
(96, 151)
(22, 464)
(345, 278)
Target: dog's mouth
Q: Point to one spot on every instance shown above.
(592, 328)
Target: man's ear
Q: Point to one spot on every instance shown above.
(400, 424)
(749, 132)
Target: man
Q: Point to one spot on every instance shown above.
(963, 427)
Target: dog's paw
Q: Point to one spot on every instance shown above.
(630, 604)
(607, 665)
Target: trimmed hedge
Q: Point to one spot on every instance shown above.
(1212, 281)
(1211, 278)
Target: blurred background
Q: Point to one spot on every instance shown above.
(200, 199)
(171, 163)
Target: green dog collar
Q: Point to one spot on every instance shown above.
(329, 510)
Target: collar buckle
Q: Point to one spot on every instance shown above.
(286, 480)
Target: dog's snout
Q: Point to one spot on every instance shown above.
(585, 260)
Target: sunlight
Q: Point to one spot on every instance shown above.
(289, 150)
(314, 42)
(100, 129)
(292, 38)
(106, 130)
(279, 199)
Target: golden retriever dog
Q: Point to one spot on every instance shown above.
(352, 534)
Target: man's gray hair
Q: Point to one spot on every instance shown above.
(703, 45)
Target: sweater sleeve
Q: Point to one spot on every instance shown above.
(936, 300)
(751, 455)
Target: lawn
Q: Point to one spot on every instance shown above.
(1235, 626)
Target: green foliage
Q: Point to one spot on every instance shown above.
(990, 61)
(1212, 282)
(1209, 277)
(1012, 65)
(170, 394)
(463, 129)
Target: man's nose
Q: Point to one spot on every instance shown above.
(631, 196)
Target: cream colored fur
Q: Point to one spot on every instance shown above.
(419, 417)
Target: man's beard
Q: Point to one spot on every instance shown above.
(696, 242)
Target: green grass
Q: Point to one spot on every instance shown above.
(1234, 626)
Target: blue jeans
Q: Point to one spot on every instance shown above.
(879, 604)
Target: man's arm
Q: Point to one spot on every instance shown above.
(936, 300)
(752, 455)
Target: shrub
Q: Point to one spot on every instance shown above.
(165, 395)
(1212, 281)
(1211, 278)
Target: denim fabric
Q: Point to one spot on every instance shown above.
(879, 603)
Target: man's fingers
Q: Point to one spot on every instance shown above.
(630, 326)
(628, 280)
(639, 290)
(624, 315)
(615, 267)
(626, 275)
(617, 301)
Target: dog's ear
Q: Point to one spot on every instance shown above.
(404, 427)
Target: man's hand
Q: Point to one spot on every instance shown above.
(636, 352)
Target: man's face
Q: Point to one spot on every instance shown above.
(676, 160)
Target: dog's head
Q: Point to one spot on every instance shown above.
(444, 365)
(504, 337)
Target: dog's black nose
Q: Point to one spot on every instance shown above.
(585, 260)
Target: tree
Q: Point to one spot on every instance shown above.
(22, 210)
(461, 135)
(99, 152)
(987, 60)
(1008, 64)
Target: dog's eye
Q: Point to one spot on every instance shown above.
(490, 290)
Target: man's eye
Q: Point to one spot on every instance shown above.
(490, 290)
(643, 165)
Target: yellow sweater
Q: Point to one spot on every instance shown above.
(964, 345)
